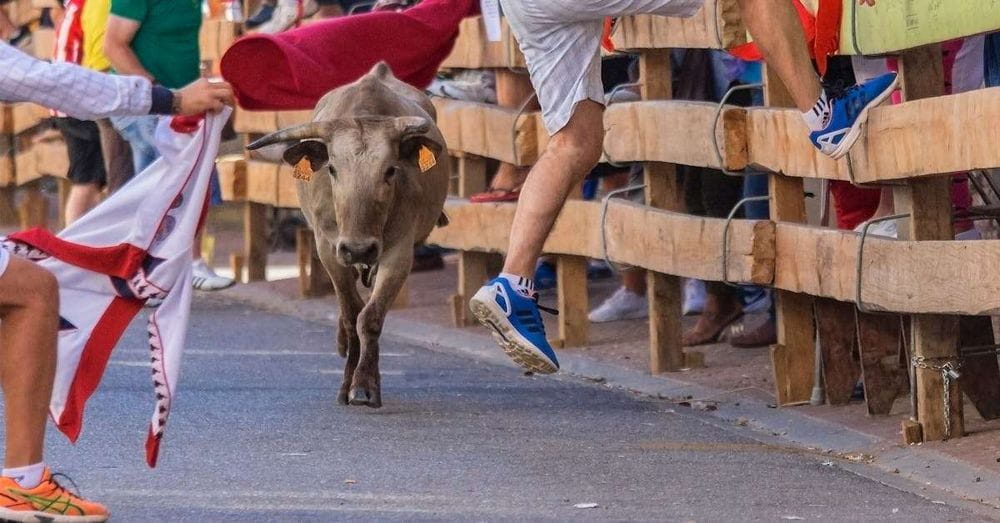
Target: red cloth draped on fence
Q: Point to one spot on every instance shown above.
(294, 69)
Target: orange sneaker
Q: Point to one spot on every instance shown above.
(49, 502)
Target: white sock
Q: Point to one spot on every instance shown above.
(524, 286)
(28, 477)
(818, 117)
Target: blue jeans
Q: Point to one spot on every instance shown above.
(139, 132)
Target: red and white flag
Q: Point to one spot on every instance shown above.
(134, 246)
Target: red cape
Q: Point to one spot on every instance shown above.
(294, 69)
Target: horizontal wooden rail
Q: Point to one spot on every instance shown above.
(715, 26)
(48, 158)
(676, 132)
(474, 51)
(640, 236)
(271, 183)
(921, 138)
(216, 36)
(490, 131)
(19, 117)
(232, 177)
(263, 122)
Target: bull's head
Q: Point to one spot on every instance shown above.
(368, 159)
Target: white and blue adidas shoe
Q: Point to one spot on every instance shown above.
(516, 324)
(849, 113)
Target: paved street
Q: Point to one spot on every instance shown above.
(256, 435)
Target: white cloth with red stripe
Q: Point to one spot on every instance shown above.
(134, 246)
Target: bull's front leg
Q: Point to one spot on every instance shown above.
(394, 267)
(350, 303)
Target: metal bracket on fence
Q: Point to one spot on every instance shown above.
(725, 234)
(715, 125)
(604, 219)
(861, 251)
(513, 127)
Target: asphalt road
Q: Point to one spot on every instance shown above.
(256, 435)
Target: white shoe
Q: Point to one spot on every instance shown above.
(622, 305)
(886, 229)
(205, 279)
(694, 297)
(286, 14)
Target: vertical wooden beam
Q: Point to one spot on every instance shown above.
(33, 211)
(8, 209)
(64, 186)
(255, 245)
(572, 300)
(662, 191)
(934, 338)
(793, 357)
(472, 266)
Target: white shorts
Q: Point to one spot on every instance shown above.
(4, 260)
(561, 42)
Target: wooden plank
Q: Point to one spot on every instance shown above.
(489, 131)
(676, 132)
(52, 158)
(25, 115)
(792, 357)
(472, 50)
(918, 138)
(890, 27)
(835, 322)
(287, 119)
(473, 270)
(262, 182)
(26, 167)
(255, 240)
(232, 177)
(716, 26)
(288, 192)
(980, 374)
(661, 241)
(572, 300)
(885, 376)
(245, 121)
(928, 201)
(33, 210)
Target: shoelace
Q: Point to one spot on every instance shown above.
(841, 90)
(550, 310)
(57, 486)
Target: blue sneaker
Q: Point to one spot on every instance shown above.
(516, 324)
(848, 114)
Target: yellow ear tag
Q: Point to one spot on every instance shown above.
(303, 170)
(426, 159)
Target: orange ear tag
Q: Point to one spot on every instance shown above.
(303, 170)
(426, 159)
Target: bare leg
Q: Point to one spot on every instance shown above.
(776, 29)
(82, 198)
(570, 155)
(29, 307)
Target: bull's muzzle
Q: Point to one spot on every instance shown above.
(363, 252)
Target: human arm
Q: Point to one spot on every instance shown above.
(89, 95)
(118, 46)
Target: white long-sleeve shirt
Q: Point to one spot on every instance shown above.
(69, 88)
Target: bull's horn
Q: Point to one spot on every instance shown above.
(318, 130)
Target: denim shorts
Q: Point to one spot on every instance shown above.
(139, 132)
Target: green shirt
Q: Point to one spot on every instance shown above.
(167, 40)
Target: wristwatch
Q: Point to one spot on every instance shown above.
(175, 104)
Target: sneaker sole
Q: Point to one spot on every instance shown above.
(852, 136)
(43, 517)
(513, 344)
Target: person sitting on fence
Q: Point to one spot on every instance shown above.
(29, 296)
(561, 43)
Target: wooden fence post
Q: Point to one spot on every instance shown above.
(663, 192)
(934, 338)
(472, 266)
(255, 243)
(793, 357)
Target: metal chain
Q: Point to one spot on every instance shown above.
(949, 371)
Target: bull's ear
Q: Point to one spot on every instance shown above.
(414, 133)
(314, 150)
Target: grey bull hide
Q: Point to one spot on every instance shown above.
(368, 202)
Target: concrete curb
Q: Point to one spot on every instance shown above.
(924, 472)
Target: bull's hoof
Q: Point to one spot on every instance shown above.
(363, 397)
(342, 397)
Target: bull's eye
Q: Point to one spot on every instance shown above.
(333, 172)
(391, 172)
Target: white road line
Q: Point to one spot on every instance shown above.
(215, 352)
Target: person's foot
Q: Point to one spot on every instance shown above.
(744, 336)
(47, 502)
(757, 301)
(288, 13)
(694, 297)
(516, 324)
(720, 313)
(204, 278)
(263, 14)
(622, 305)
(848, 114)
(478, 86)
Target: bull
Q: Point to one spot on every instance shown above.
(376, 190)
